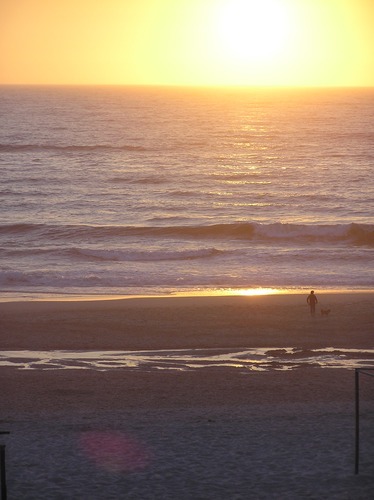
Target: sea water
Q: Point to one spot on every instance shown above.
(147, 190)
(255, 359)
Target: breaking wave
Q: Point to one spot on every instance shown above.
(151, 255)
(350, 234)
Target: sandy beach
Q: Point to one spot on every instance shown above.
(208, 433)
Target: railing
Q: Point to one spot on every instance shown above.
(363, 371)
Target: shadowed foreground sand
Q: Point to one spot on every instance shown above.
(211, 433)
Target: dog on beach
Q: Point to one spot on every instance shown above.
(325, 312)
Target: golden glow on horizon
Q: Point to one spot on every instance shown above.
(228, 292)
(187, 42)
(254, 292)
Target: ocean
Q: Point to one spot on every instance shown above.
(154, 190)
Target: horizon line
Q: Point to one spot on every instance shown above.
(189, 86)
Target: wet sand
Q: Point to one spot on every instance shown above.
(188, 322)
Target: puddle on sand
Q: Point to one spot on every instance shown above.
(258, 359)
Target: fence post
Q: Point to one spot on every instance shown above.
(2, 472)
(369, 371)
(357, 411)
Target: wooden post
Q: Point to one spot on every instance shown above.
(357, 411)
(365, 371)
(2, 472)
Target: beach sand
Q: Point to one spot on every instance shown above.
(211, 433)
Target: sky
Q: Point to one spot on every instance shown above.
(187, 42)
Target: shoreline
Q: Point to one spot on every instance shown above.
(224, 292)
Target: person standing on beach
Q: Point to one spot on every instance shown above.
(312, 301)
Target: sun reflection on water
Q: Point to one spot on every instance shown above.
(246, 360)
(256, 291)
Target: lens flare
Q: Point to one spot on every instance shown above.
(115, 451)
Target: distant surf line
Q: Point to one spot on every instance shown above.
(356, 234)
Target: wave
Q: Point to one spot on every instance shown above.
(117, 255)
(150, 179)
(151, 255)
(44, 279)
(31, 148)
(353, 234)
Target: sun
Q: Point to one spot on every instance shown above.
(253, 30)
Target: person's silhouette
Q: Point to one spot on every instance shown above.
(312, 301)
